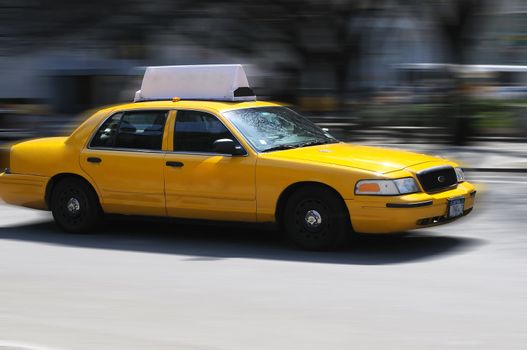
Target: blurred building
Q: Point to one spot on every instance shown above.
(327, 56)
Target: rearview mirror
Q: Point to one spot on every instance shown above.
(227, 146)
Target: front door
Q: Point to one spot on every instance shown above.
(202, 184)
(125, 159)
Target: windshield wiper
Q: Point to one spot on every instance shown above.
(299, 145)
(279, 148)
(315, 143)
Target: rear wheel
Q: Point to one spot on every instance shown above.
(316, 219)
(75, 206)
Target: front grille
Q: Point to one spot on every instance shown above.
(437, 179)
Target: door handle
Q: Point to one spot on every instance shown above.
(175, 164)
(94, 160)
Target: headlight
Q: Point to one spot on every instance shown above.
(460, 174)
(406, 185)
(386, 187)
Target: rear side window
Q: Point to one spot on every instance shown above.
(141, 130)
(196, 132)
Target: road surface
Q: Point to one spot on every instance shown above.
(149, 285)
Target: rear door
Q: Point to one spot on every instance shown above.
(125, 158)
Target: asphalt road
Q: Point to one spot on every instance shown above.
(146, 285)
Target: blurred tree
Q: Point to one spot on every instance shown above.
(302, 32)
(26, 24)
(457, 21)
(291, 36)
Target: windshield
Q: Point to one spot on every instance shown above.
(275, 128)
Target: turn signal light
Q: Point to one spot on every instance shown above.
(368, 187)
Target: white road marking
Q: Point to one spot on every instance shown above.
(8, 345)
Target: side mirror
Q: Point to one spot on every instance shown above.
(227, 146)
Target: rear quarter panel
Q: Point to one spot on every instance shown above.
(32, 166)
(34, 163)
(43, 157)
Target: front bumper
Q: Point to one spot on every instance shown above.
(372, 214)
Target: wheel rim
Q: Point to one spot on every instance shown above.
(72, 206)
(311, 219)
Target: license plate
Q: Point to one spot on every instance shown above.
(455, 207)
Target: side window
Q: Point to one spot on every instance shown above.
(107, 133)
(196, 131)
(134, 130)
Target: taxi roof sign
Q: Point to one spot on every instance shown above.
(223, 82)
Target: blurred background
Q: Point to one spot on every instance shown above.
(428, 71)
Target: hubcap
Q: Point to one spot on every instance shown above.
(313, 219)
(73, 206)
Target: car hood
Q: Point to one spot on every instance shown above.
(375, 159)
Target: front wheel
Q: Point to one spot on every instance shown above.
(75, 206)
(316, 219)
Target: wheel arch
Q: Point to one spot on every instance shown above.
(288, 191)
(54, 180)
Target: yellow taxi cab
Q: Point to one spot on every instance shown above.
(215, 153)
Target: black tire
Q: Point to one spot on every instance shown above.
(75, 206)
(316, 219)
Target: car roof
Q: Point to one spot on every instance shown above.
(218, 106)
